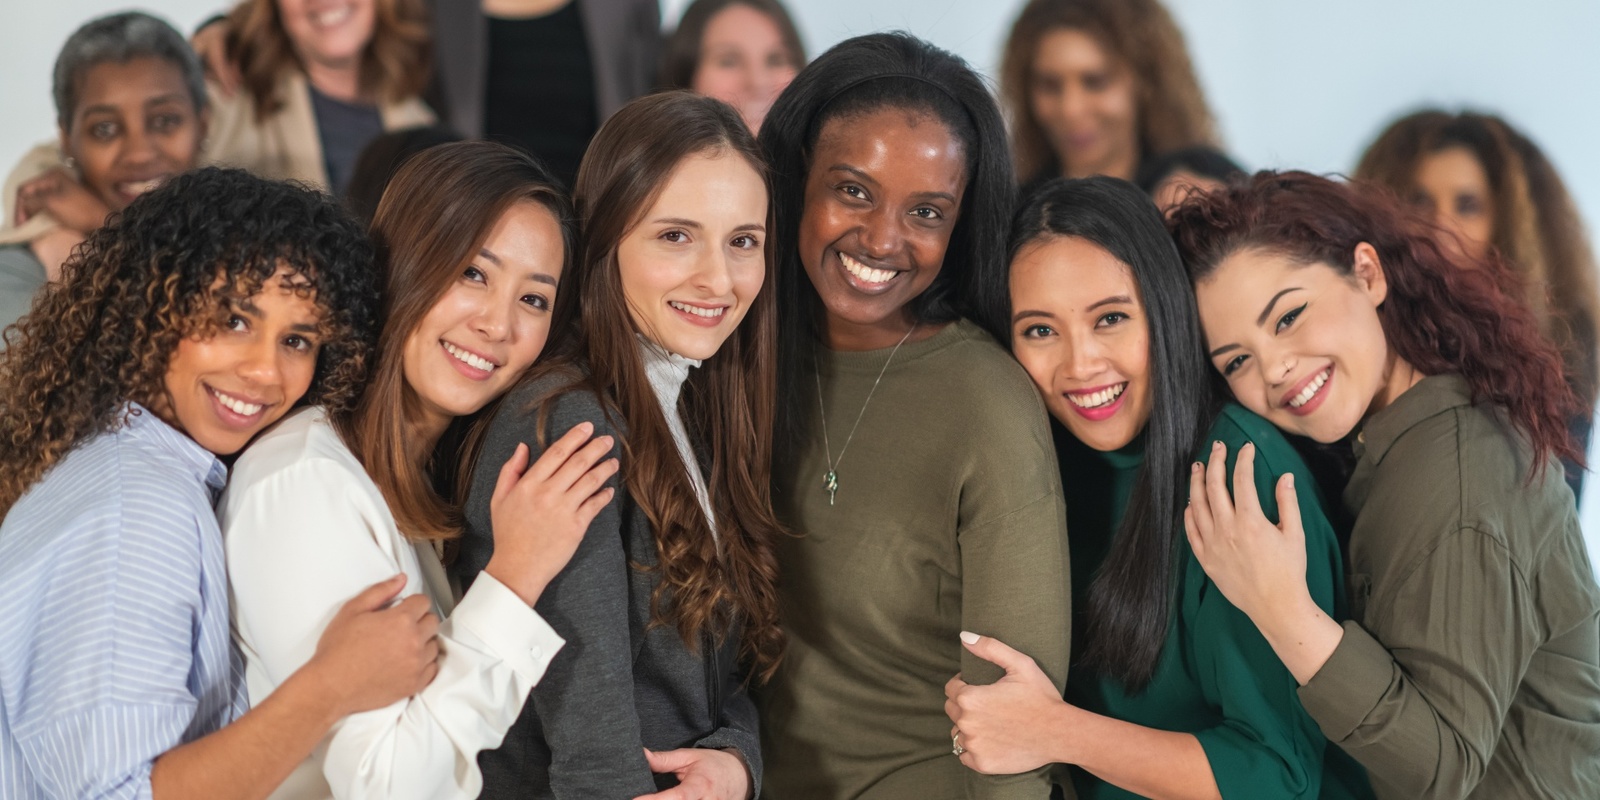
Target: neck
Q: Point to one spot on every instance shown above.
(844, 335)
(422, 434)
(1398, 376)
(1120, 165)
(339, 81)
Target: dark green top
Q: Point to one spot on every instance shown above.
(1470, 666)
(1217, 677)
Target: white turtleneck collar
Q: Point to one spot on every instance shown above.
(667, 372)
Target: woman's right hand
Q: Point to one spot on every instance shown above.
(541, 512)
(210, 43)
(64, 197)
(373, 653)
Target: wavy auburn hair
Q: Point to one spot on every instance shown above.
(727, 403)
(173, 265)
(394, 66)
(1536, 224)
(1440, 316)
(429, 226)
(1139, 34)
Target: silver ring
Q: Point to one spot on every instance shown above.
(955, 745)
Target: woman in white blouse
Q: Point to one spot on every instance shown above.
(473, 239)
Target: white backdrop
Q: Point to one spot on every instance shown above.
(1301, 84)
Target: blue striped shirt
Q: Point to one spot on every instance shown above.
(114, 640)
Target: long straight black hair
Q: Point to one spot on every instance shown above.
(859, 76)
(1131, 597)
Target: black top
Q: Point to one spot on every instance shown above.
(345, 129)
(620, 684)
(539, 94)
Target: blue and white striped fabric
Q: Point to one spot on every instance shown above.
(114, 640)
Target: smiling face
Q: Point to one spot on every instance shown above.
(1079, 329)
(744, 62)
(135, 126)
(225, 386)
(882, 197)
(328, 33)
(492, 322)
(1301, 345)
(1453, 188)
(1087, 102)
(695, 262)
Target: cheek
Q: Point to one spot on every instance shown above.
(1040, 363)
(721, 83)
(532, 334)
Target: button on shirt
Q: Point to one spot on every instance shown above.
(114, 641)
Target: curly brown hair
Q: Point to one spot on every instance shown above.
(1536, 224)
(395, 65)
(1172, 111)
(169, 266)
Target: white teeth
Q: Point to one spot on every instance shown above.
(332, 16)
(468, 358)
(139, 187)
(1310, 391)
(708, 313)
(865, 272)
(1100, 398)
(236, 405)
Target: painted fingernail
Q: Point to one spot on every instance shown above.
(1196, 467)
(969, 637)
(1216, 445)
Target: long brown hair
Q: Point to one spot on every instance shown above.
(395, 65)
(172, 265)
(727, 403)
(431, 222)
(1536, 224)
(1172, 111)
(1438, 316)
(680, 56)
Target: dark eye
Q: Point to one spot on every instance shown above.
(1037, 332)
(1289, 317)
(238, 323)
(537, 301)
(299, 344)
(1469, 205)
(1232, 365)
(746, 242)
(675, 236)
(474, 274)
(1096, 81)
(925, 212)
(166, 122)
(1110, 319)
(853, 191)
(103, 130)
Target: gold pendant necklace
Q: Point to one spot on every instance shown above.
(830, 480)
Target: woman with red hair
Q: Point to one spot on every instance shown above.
(1470, 666)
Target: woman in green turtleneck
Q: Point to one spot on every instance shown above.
(1177, 694)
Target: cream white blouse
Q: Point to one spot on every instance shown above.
(305, 529)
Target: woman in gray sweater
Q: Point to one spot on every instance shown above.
(669, 602)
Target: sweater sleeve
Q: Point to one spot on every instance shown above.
(584, 705)
(1266, 743)
(1014, 560)
(740, 731)
(493, 648)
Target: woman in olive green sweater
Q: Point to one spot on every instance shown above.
(1470, 666)
(1175, 694)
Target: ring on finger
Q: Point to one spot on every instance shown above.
(955, 745)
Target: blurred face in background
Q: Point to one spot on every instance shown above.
(744, 62)
(1452, 187)
(1086, 101)
(328, 34)
(134, 127)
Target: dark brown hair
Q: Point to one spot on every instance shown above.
(727, 403)
(1438, 315)
(431, 222)
(1141, 35)
(395, 65)
(173, 264)
(1536, 224)
(680, 58)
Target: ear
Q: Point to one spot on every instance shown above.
(1369, 275)
(62, 139)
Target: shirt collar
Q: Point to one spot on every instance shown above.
(667, 371)
(143, 425)
(1430, 397)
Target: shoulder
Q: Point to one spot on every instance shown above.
(1236, 426)
(550, 403)
(302, 444)
(977, 374)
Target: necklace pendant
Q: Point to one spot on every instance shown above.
(830, 481)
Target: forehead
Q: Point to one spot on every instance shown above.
(1453, 164)
(130, 84)
(739, 23)
(1071, 50)
(721, 182)
(911, 146)
(1069, 272)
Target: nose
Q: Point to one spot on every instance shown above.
(261, 366)
(1074, 101)
(1277, 366)
(714, 275)
(493, 318)
(1081, 360)
(880, 235)
(138, 148)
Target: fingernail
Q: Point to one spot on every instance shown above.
(969, 637)
(586, 426)
(1288, 477)
(1216, 445)
(1195, 467)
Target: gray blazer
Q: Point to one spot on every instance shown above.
(624, 38)
(619, 685)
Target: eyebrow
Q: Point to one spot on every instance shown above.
(103, 108)
(1026, 313)
(541, 277)
(1121, 298)
(687, 223)
(945, 196)
(1267, 312)
(249, 307)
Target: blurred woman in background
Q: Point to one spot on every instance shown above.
(742, 52)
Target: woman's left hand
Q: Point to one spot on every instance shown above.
(59, 193)
(702, 773)
(1006, 727)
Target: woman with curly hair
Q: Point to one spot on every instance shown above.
(669, 602)
(1491, 187)
(1095, 87)
(196, 318)
(1470, 666)
(473, 238)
